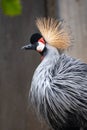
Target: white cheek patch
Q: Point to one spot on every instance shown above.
(40, 47)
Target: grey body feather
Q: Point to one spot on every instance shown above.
(59, 90)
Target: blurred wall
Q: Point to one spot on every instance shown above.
(74, 12)
(17, 66)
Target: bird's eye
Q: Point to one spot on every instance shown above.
(40, 47)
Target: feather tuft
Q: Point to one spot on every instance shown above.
(53, 32)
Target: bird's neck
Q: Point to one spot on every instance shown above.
(47, 65)
(49, 53)
(43, 77)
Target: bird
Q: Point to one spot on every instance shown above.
(58, 90)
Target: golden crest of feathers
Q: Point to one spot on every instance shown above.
(53, 32)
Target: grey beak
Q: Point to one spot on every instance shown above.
(28, 47)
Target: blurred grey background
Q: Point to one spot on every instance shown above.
(17, 66)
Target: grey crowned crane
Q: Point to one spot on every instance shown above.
(59, 84)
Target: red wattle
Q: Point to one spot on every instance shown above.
(41, 40)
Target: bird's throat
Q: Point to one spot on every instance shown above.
(42, 57)
(43, 53)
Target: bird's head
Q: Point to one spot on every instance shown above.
(37, 43)
(52, 32)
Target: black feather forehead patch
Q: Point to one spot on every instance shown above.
(35, 37)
